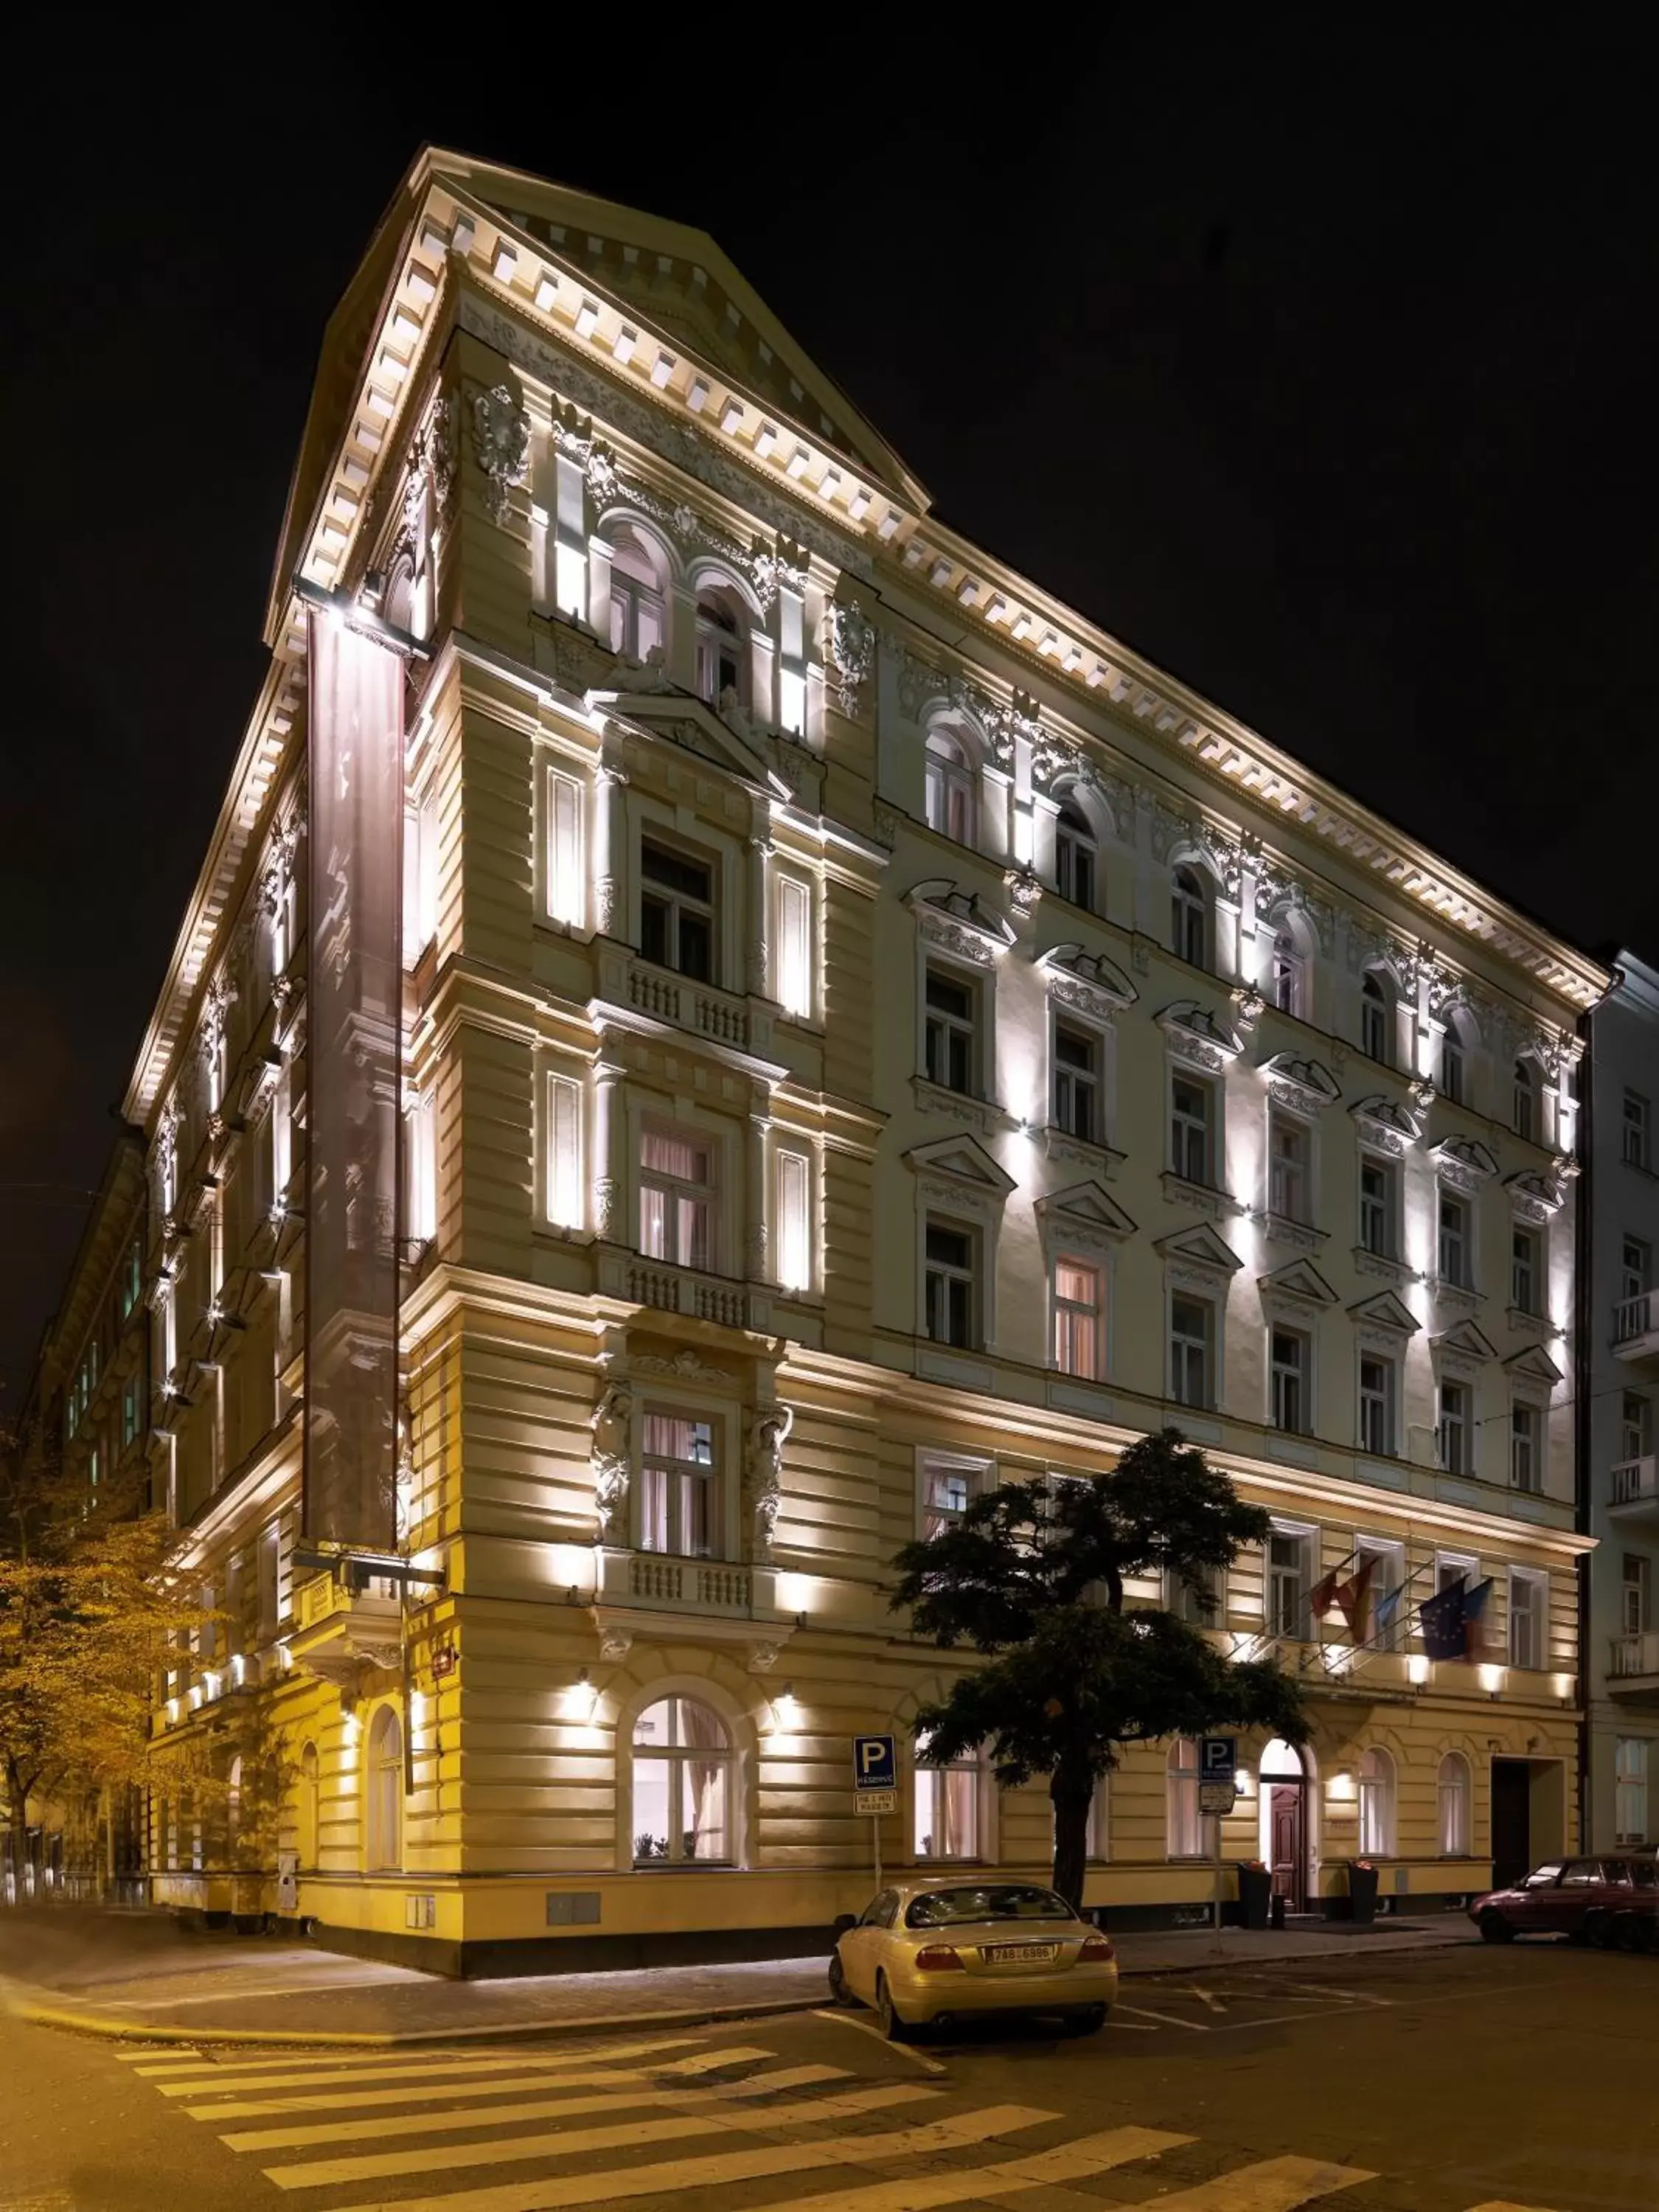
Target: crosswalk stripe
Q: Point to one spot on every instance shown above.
(374, 2166)
(322, 2062)
(676, 2176)
(1502, 2204)
(473, 2115)
(441, 2089)
(153, 2051)
(1047, 2169)
(1273, 2184)
(407, 2069)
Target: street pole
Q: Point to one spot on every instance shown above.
(1217, 1824)
(875, 1845)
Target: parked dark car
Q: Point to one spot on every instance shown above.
(1613, 1899)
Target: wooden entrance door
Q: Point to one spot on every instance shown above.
(1284, 1830)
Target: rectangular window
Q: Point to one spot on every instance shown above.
(1455, 1263)
(1288, 1150)
(795, 946)
(945, 1488)
(949, 1031)
(1199, 1607)
(1451, 1568)
(1637, 1130)
(1529, 1603)
(1078, 1312)
(1526, 1447)
(130, 1411)
(1290, 1556)
(1633, 1614)
(947, 1810)
(1189, 1351)
(567, 882)
(1633, 1426)
(1526, 1271)
(1524, 1113)
(132, 1279)
(677, 911)
(564, 1152)
(794, 1235)
(1377, 1405)
(1630, 1790)
(1076, 1083)
(1457, 1430)
(677, 1198)
(419, 877)
(1381, 1625)
(1189, 1128)
(1074, 861)
(1288, 1365)
(677, 1499)
(948, 1279)
(1377, 1186)
(1635, 1260)
(269, 1571)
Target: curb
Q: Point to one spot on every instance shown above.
(40, 2008)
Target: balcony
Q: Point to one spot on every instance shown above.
(338, 1629)
(1633, 1667)
(684, 1291)
(700, 1585)
(701, 1010)
(1636, 1326)
(1633, 1490)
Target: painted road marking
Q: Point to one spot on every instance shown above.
(1502, 2204)
(1273, 2184)
(867, 2027)
(1168, 2019)
(377, 2071)
(446, 2091)
(677, 2176)
(1076, 2161)
(496, 2150)
(323, 2061)
(471, 2115)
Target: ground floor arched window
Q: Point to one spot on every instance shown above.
(1453, 1793)
(1183, 1826)
(684, 1794)
(384, 1776)
(307, 1807)
(948, 1822)
(1376, 1805)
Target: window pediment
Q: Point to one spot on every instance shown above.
(1086, 980)
(1463, 1164)
(1083, 1215)
(688, 723)
(1299, 1283)
(1463, 1350)
(962, 921)
(961, 1170)
(1385, 1123)
(1537, 1193)
(1199, 1036)
(1307, 1086)
(1202, 1247)
(1384, 1311)
(1533, 1364)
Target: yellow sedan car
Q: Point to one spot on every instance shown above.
(932, 1951)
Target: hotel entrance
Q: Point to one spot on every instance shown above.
(1284, 1818)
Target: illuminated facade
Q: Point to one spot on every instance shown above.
(867, 1034)
(1616, 1388)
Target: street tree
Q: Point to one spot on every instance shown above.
(1033, 1576)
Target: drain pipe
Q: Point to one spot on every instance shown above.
(1583, 1324)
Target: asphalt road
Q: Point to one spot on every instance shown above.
(1462, 2080)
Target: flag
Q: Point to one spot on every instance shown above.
(1322, 1597)
(1388, 1605)
(1474, 1606)
(1443, 1624)
(1352, 1595)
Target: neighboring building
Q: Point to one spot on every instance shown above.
(87, 1417)
(1618, 1389)
(867, 1034)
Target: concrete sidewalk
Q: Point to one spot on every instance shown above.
(132, 1974)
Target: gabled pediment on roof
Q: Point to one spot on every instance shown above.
(1384, 1312)
(1533, 1365)
(1537, 1192)
(1463, 1162)
(1198, 1036)
(1301, 1280)
(1384, 1123)
(1085, 1214)
(1201, 1246)
(1306, 1085)
(963, 1163)
(1465, 1343)
(694, 726)
(1069, 970)
(963, 922)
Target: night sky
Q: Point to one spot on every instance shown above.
(1327, 380)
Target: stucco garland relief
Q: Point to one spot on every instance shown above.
(501, 444)
(850, 642)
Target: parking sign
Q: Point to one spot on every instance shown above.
(1218, 1758)
(874, 1766)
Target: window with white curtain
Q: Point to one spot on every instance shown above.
(676, 1197)
(1079, 1311)
(1183, 1826)
(1453, 1791)
(637, 625)
(947, 1807)
(679, 1503)
(1528, 1611)
(794, 945)
(564, 1152)
(566, 877)
(1630, 1790)
(946, 1486)
(1376, 1805)
(683, 1778)
(794, 1235)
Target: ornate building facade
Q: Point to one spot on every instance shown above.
(867, 1034)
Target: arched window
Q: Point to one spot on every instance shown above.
(1290, 976)
(1523, 1112)
(683, 1784)
(950, 793)
(383, 1781)
(307, 1809)
(1454, 1063)
(1376, 1018)
(1189, 919)
(1453, 1791)
(722, 646)
(1376, 1805)
(1183, 1827)
(233, 1802)
(948, 1802)
(1076, 854)
(637, 626)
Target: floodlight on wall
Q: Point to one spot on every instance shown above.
(1416, 1669)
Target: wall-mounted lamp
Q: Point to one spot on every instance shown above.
(581, 1697)
(1492, 1680)
(1416, 1669)
(785, 1711)
(1243, 1783)
(1342, 1788)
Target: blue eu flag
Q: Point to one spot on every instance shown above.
(1444, 1621)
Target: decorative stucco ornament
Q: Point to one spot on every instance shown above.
(500, 446)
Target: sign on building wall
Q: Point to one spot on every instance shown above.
(355, 786)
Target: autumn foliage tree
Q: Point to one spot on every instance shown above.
(1035, 1577)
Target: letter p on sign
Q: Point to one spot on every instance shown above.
(874, 1766)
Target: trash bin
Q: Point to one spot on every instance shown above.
(1362, 1892)
(1256, 1887)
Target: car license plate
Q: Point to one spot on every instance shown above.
(1021, 1954)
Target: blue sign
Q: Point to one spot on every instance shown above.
(874, 1766)
(1218, 1758)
